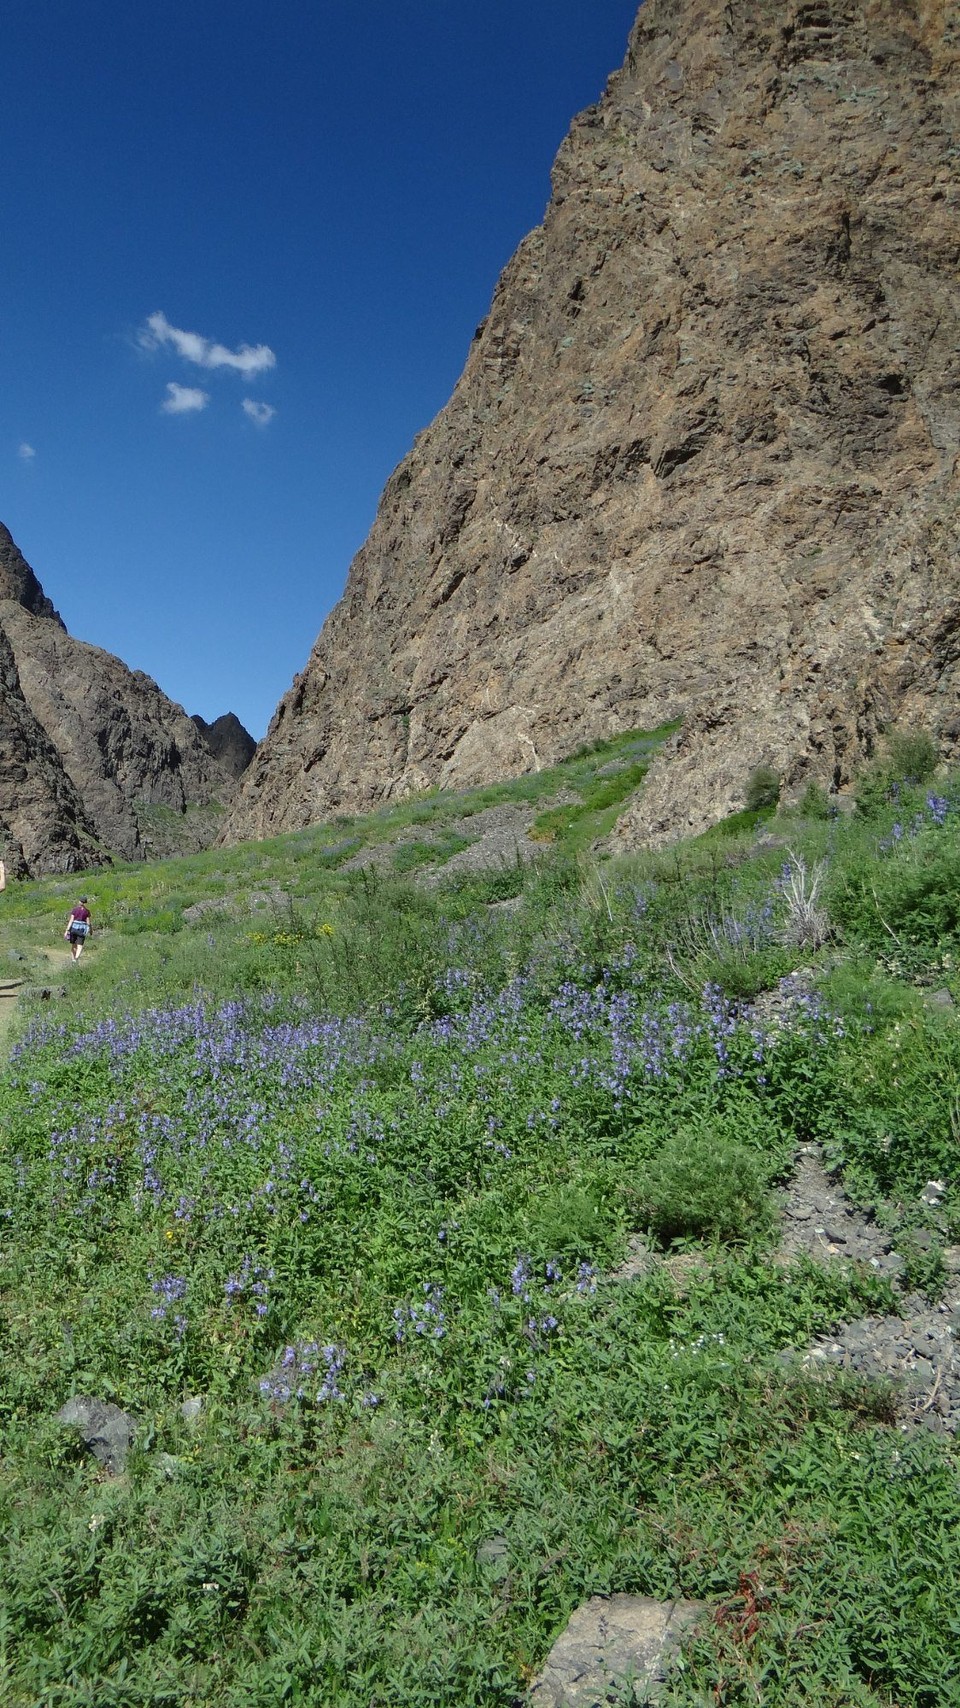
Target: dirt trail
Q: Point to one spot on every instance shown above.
(57, 956)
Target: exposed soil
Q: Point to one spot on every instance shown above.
(502, 839)
(498, 837)
(916, 1348)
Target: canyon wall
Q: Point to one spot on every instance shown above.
(702, 460)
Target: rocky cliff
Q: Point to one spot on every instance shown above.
(231, 745)
(43, 825)
(702, 461)
(94, 758)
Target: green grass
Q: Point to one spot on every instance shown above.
(738, 823)
(409, 855)
(287, 1105)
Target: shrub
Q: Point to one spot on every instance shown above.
(910, 897)
(702, 1186)
(910, 759)
(815, 802)
(763, 788)
(913, 756)
(736, 824)
(570, 1222)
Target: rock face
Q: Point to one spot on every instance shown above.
(702, 461)
(18, 582)
(231, 745)
(43, 824)
(94, 759)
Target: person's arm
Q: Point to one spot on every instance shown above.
(3, 876)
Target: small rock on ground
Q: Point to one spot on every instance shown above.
(639, 1261)
(642, 1259)
(612, 1642)
(106, 1430)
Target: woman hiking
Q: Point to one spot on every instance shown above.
(79, 927)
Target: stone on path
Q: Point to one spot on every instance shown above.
(612, 1642)
(106, 1430)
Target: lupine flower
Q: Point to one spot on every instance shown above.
(423, 1317)
(294, 1376)
(252, 1282)
(170, 1290)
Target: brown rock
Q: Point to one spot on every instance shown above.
(702, 460)
(43, 824)
(88, 748)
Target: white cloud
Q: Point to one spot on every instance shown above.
(193, 347)
(261, 413)
(27, 452)
(183, 399)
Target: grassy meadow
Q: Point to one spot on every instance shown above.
(324, 1174)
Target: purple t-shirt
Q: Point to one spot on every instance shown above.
(82, 913)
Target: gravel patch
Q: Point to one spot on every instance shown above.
(498, 837)
(208, 907)
(917, 1351)
(380, 854)
(916, 1348)
(819, 1220)
(501, 840)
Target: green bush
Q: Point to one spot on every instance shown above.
(704, 1186)
(410, 855)
(815, 802)
(763, 788)
(910, 760)
(741, 975)
(737, 824)
(911, 896)
(913, 756)
(568, 1222)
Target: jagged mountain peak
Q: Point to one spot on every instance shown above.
(94, 759)
(228, 741)
(18, 581)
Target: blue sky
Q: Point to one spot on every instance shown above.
(246, 248)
